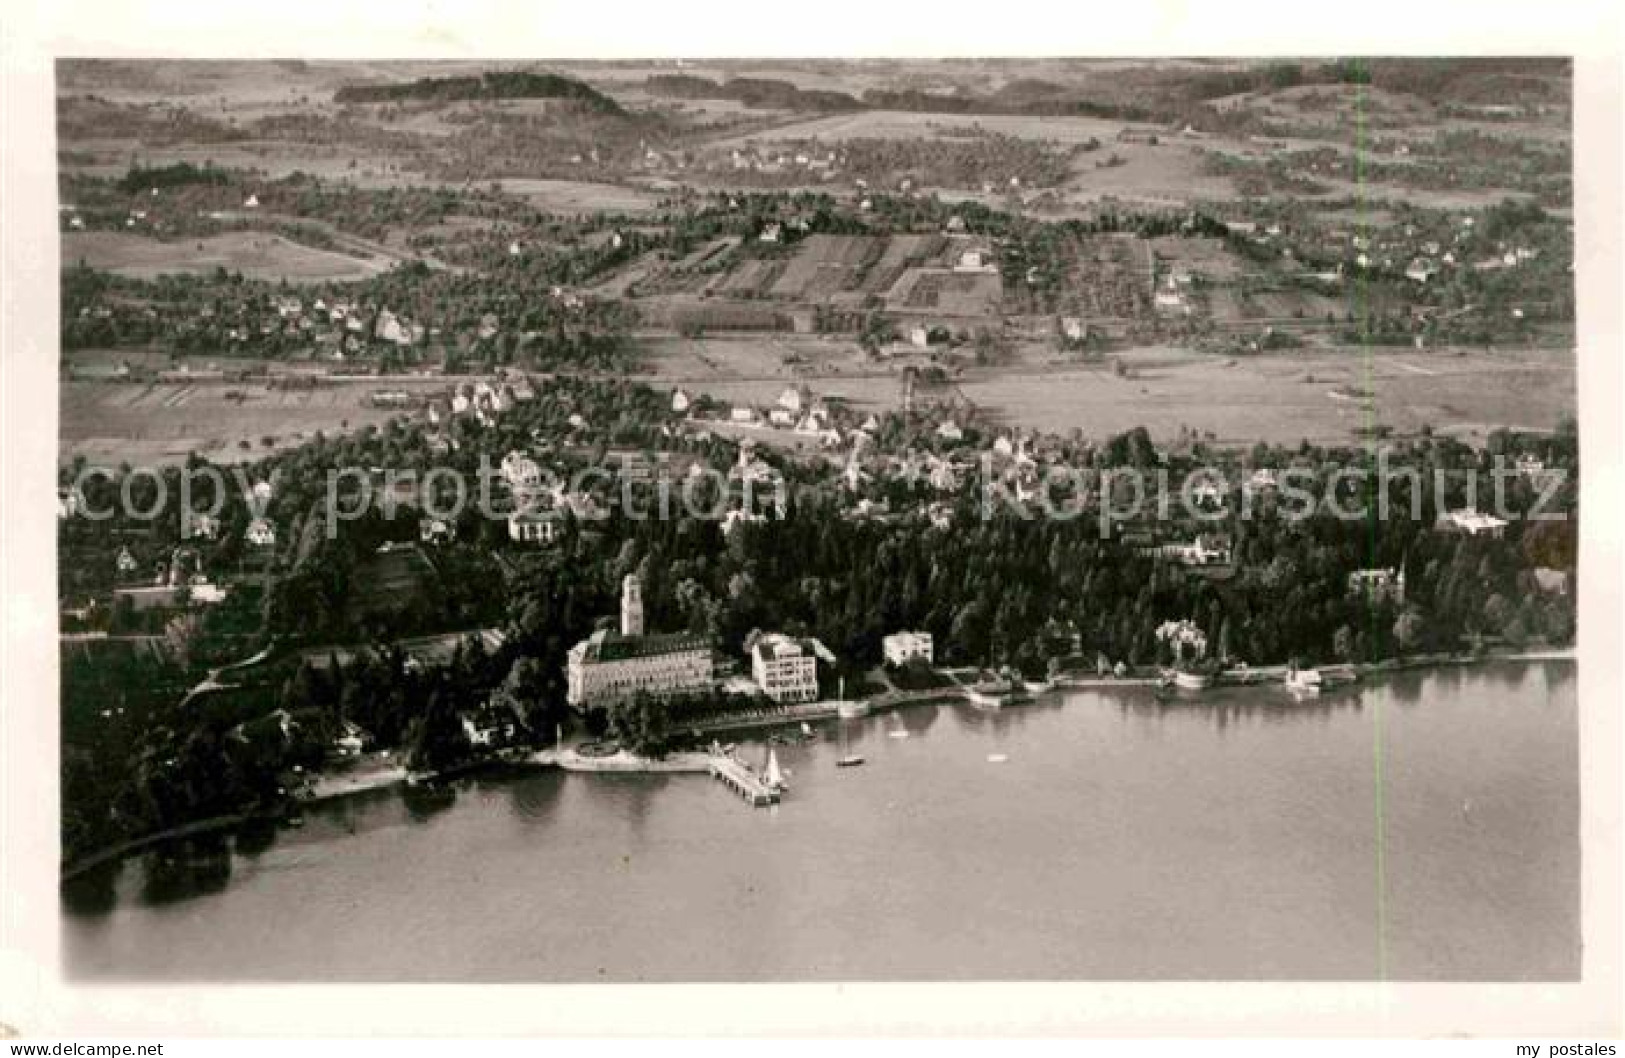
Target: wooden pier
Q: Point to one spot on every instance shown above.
(742, 779)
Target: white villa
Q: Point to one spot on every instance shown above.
(1474, 523)
(900, 648)
(1184, 638)
(534, 527)
(1378, 585)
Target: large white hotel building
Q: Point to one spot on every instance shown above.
(611, 666)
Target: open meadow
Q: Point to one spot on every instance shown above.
(1323, 395)
(159, 423)
(257, 255)
(1288, 397)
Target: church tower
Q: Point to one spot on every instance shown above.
(631, 606)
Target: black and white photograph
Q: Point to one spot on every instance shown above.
(797, 520)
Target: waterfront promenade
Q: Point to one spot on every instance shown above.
(384, 773)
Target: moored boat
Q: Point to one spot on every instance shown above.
(1187, 680)
(999, 693)
(1338, 676)
(1303, 681)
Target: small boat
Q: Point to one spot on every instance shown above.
(1192, 681)
(997, 758)
(1038, 686)
(806, 729)
(997, 695)
(1303, 681)
(295, 821)
(897, 729)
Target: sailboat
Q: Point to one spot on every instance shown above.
(897, 728)
(773, 775)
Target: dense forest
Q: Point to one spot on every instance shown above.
(490, 85)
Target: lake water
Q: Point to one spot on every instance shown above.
(1420, 826)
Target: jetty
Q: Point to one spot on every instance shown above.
(743, 780)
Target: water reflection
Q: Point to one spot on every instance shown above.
(184, 869)
(536, 798)
(93, 892)
(255, 837)
(426, 800)
(917, 719)
(1227, 707)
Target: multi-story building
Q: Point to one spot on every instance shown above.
(784, 669)
(534, 527)
(610, 666)
(900, 648)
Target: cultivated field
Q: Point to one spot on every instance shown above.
(825, 265)
(774, 359)
(751, 277)
(580, 196)
(257, 255)
(939, 292)
(1208, 258)
(900, 124)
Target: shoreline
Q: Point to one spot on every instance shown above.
(340, 786)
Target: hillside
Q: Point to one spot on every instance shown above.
(486, 86)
